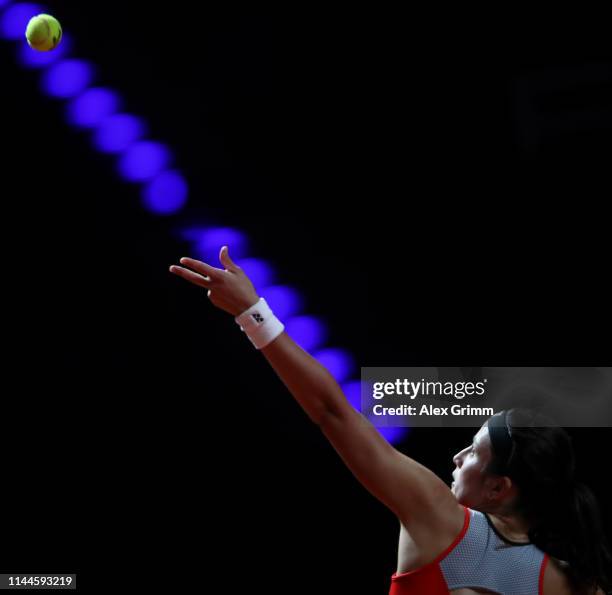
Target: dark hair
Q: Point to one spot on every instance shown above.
(564, 516)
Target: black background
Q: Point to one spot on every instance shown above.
(378, 160)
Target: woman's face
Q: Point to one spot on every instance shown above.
(469, 485)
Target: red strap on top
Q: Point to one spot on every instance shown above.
(429, 578)
(542, 571)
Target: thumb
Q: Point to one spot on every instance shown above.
(226, 261)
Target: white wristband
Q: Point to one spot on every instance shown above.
(260, 324)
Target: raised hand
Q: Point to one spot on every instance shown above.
(228, 289)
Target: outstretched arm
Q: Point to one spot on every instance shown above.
(409, 489)
(307, 380)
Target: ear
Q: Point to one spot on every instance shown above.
(498, 486)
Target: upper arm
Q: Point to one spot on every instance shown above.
(414, 493)
(556, 581)
(555, 578)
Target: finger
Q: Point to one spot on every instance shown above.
(190, 276)
(201, 267)
(226, 261)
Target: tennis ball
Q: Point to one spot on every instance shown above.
(43, 32)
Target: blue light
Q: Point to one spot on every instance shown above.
(191, 234)
(67, 78)
(284, 301)
(90, 108)
(30, 58)
(116, 133)
(166, 193)
(258, 271)
(143, 160)
(393, 435)
(307, 331)
(15, 19)
(338, 362)
(208, 243)
(352, 392)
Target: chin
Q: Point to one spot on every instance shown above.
(458, 496)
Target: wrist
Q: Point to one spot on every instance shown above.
(247, 303)
(260, 324)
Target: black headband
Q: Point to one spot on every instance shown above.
(501, 438)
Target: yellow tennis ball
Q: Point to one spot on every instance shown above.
(43, 32)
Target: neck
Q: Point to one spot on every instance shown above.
(512, 527)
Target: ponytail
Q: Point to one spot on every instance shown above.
(571, 530)
(563, 514)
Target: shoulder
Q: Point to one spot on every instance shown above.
(555, 578)
(556, 581)
(422, 542)
(414, 493)
(437, 529)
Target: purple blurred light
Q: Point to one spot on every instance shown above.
(393, 435)
(339, 363)
(30, 58)
(90, 108)
(116, 133)
(209, 241)
(166, 193)
(284, 301)
(67, 78)
(15, 19)
(307, 331)
(143, 160)
(258, 271)
(352, 392)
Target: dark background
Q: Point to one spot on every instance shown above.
(437, 185)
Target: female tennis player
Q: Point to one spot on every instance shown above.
(514, 521)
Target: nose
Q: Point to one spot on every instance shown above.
(458, 458)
